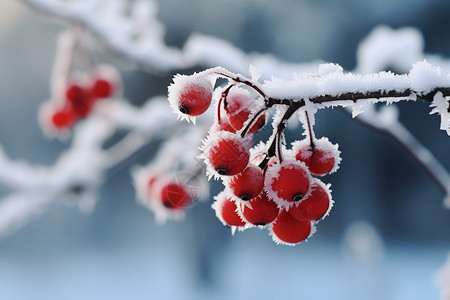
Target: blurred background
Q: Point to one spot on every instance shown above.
(385, 238)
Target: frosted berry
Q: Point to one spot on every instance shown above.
(321, 158)
(238, 109)
(74, 92)
(79, 100)
(262, 211)
(287, 182)
(190, 95)
(225, 126)
(63, 118)
(226, 211)
(315, 206)
(228, 156)
(248, 184)
(175, 196)
(287, 229)
(101, 88)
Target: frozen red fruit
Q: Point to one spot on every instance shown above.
(261, 210)
(321, 157)
(248, 184)
(239, 105)
(74, 92)
(287, 181)
(64, 118)
(229, 214)
(315, 206)
(190, 95)
(101, 89)
(226, 211)
(286, 229)
(228, 156)
(175, 196)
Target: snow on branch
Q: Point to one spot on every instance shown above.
(330, 86)
(139, 37)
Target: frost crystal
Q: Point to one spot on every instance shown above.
(441, 106)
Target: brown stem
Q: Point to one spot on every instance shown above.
(252, 122)
(310, 130)
(244, 81)
(328, 99)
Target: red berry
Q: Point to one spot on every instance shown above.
(175, 196)
(320, 158)
(287, 229)
(190, 95)
(315, 206)
(287, 182)
(248, 184)
(64, 118)
(74, 92)
(101, 88)
(226, 211)
(229, 156)
(262, 211)
(79, 100)
(238, 108)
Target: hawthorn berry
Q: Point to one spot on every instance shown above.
(226, 211)
(228, 155)
(79, 100)
(175, 196)
(190, 95)
(63, 118)
(238, 110)
(248, 184)
(74, 92)
(315, 206)
(260, 211)
(287, 182)
(288, 230)
(101, 88)
(321, 157)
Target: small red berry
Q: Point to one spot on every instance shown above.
(320, 158)
(226, 211)
(190, 95)
(238, 109)
(262, 211)
(287, 182)
(101, 88)
(315, 206)
(175, 196)
(64, 118)
(79, 100)
(74, 92)
(248, 184)
(288, 230)
(229, 156)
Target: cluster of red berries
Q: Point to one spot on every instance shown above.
(78, 97)
(264, 187)
(281, 194)
(166, 196)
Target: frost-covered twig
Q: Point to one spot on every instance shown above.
(139, 38)
(78, 173)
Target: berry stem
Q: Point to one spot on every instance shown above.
(310, 131)
(245, 81)
(252, 122)
(223, 99)
(276, 140)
